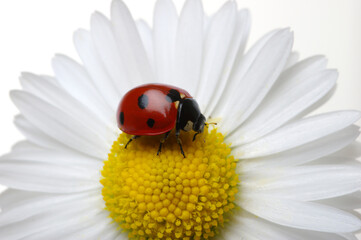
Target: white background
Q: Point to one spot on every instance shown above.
(31, 32)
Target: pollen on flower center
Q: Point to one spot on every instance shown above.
(168, 196)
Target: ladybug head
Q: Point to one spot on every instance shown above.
(190, 117)
(198, 126)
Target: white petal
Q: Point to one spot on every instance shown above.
(303, 69)
(349, 202)
(107, 48)
(298, 133)
(336, 160)
(216, 45)
(68, 230)
(29, 82)
(233, 59)
(100, 227)
(44, 177)
(35, 135)
(96, 69)
(284, 104)
(259, 229)
(353, 150)
(164, 36)
(60, 126)
(348, 236)
(75, 213)
(241, 65)
(23, 145)
(189, 46)
(253, 228)
(308, 183)
(255, 84)
(18, 205)
(292, 59)
(130, 46)
(57, 96)
(303, 154)
(63, 157)
(73, 77)
(302, 215)
(145, 33)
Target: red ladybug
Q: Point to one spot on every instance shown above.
(154, 109)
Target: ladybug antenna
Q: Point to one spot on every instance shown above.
(214, 123)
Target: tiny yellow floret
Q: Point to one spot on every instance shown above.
(168, 196)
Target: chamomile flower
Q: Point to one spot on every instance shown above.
(267, 170)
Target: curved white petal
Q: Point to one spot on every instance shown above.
(302, 215)
(303, 154)
(76, 81)
(232, 61)
(35, 135)
(301, 70)
(284, 104)
(57, 96)
(297, 134)
(353, 150)
(130, 46)
(67, 229)
(62, 157)
(43, 177)
(100, 227)
(256, 228)
(95, 67)
(60, 126)
(348, 202)
(241, 65)
(165, 23)
(216, 45)
(75, 213)
(306, 183)
(107, 47)
(17, 205)
(189, 47)
(146, 35)
(255, 84)
(292, 59)
(253, 228)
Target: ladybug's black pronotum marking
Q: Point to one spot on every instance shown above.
(121, 118)
(143, 101)
(150, 122)
(173, 96)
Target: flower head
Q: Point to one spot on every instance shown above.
(267, 170)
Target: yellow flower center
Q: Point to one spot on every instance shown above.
(168, 196)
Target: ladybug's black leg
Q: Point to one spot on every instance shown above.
(177, 126)
(131, 139)
(195, 135)
(179, 141)
(162, 141)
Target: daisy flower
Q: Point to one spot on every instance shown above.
(267, 170)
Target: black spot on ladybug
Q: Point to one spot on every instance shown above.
(150, 122)
(143, 101)
(121, 118)
(173, 96)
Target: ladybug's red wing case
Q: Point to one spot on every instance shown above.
(148, 110)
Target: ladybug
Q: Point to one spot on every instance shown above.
(154, 109)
